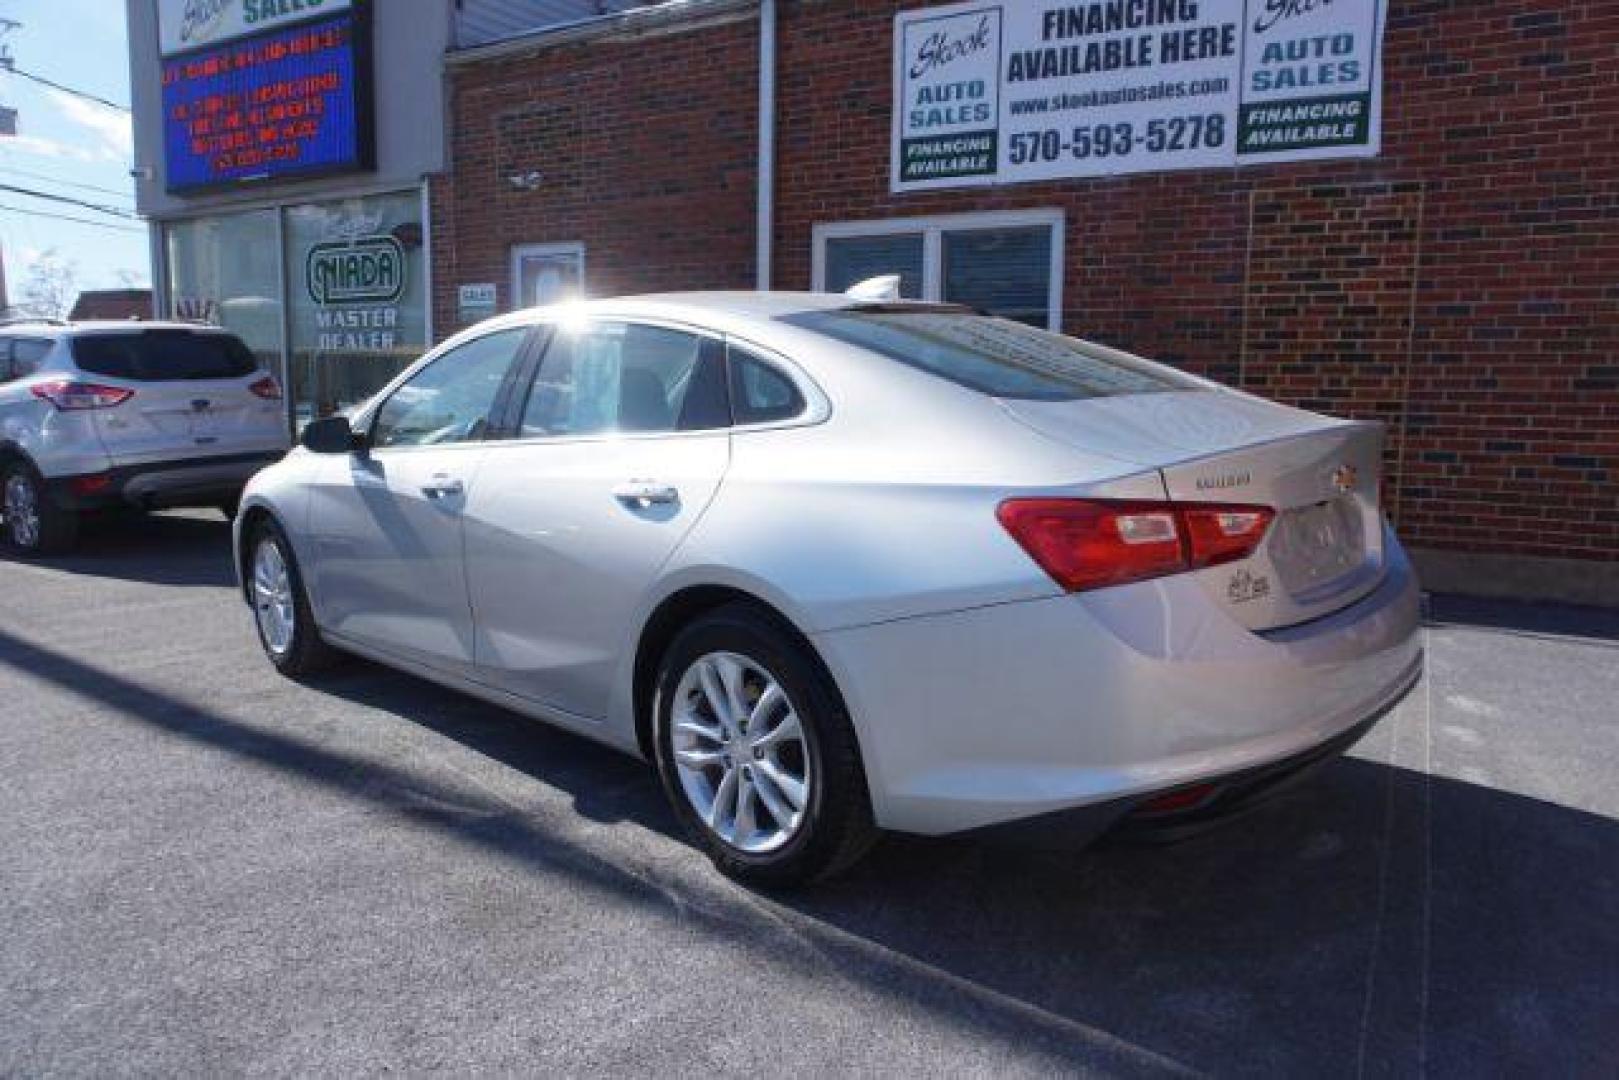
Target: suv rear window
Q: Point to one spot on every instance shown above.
(997, 357)
(163, 355)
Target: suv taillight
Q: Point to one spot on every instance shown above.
(1094, 543)
(69, 395)
(266, 388)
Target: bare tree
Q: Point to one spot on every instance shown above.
(51, 286)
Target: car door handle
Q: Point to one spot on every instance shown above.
(443, 487)
(644, 493)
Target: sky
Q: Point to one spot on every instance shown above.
(68, 146)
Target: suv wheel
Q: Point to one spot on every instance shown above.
(33, 523)
(281, 607)
(757, 754)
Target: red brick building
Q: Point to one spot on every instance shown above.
(112, 304)
(1462, 285)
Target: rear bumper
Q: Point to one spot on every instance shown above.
(1218, 800)
(1021, 711)
(162, 484)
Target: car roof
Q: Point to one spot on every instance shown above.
(719, 310)
(93, 326)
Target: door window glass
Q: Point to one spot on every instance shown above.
(449, 401)
(626, 377)
(760, 394)
(7, 373)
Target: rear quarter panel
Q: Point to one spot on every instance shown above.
(58, 443)
(868, 517)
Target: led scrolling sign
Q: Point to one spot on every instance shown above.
(294, 101)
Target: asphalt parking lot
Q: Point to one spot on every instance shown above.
(205, 868)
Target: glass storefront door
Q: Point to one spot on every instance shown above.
(354, 312)
(357, 298)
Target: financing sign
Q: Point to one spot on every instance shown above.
(996, 93)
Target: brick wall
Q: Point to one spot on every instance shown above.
(647, 150)
(1463, 286)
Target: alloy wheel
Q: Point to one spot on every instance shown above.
(272, 597)
(22, 510)
(740, 752)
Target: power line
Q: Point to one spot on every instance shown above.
(70, 217)
(100, 208)
(65, 183)
(54, 85)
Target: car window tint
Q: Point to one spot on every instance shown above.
(997, 357)
(760, 393)
(615, 376)
(163, 355)
(449, 400)
(26, 353)
(6, 371)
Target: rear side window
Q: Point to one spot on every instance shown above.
(26, 353)
(163, 355)
(761, 394)
(997, 357)
(613, 376)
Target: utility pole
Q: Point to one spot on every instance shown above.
(8, 127)
(8, 115)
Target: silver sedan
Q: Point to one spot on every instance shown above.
(838, 566)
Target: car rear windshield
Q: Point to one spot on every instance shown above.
(997, 357)
(163, 355)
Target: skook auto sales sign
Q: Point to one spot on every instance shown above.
(1016, 92)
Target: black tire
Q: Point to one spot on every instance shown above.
(57, 529)
(306, 654)
(837, 827)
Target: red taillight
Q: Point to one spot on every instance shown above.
(266, 388)
(1187, 798)
(1086, 544)
(69, 395)
(1093, 543)
(1220, 534)
(93, 484)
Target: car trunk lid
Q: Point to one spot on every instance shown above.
(192, 395)
(1320, 475)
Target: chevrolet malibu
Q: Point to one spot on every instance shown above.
(837, 566)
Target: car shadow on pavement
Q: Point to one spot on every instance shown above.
(188, 549)
(1377, 921)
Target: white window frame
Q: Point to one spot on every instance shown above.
(519, 251)
(932, 229)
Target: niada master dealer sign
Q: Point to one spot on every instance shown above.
(1014, 92)
(356, 284)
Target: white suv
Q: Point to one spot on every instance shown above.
(144, 414)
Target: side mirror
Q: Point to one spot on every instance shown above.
(330, 435)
